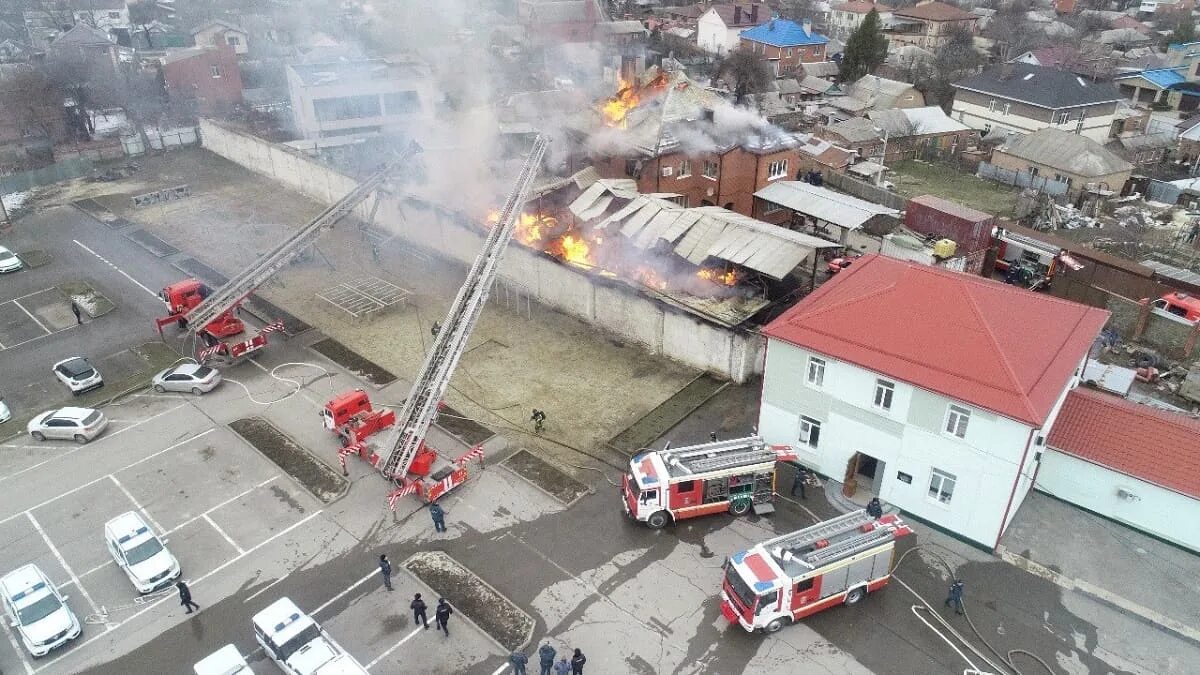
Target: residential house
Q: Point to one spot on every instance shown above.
(222, 33)
(1064, 157)
(1092, 64)
(1020, 98)
(846, 17)
(821, 156)
(1189, 143)
(1145, 150)
(621, 33)
(1187, 56)
(157, 36)
(928, 24)
(785, 44)
(922, 133)
(718, 30)
(1168, 87)
(110, 16)
(857, 134)
(204, 80)
(1126, 461)
(826, 70)
(819, 211)
(883, 94)
(551, 22)
(85, 44)
(358, 97)
(944, 417)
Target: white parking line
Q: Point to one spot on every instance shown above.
(239, 495)
(349, 588)
(63, 561)
(136, 504)
(31, 316)
(93, 482)
(501, 669)
(118, 269)
(394, 647)
(12, 639)
(221, 532)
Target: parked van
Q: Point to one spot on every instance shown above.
(1182, 305)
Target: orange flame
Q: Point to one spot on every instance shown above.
(648, 277)
(531, 230)
(617, 108)
(576, 250)
(727, 278)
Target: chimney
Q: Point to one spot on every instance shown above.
(1006, 71)
(771, 25)
(754, 14)
(808, 26)
(737, 15)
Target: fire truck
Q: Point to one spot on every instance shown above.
(352, 418)
(674, 484)
(211, 313)
(836, 562)
(404, 457)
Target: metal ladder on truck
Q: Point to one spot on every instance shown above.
(410, 464)
(245, 282)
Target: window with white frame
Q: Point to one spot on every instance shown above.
(233, 40)
(710, 169)
(215, 70)
(884, 391)
(777, 169)
(1007, 107)
(1063, 117)
(992, 105)
(816, 371)
(810, 431)
(685, 168)
(941, 486)
(956, 421)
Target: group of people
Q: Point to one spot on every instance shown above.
(441, 615)
(546, 653)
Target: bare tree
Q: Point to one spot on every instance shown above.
(34, 102)
(954, 61)
(745, 72)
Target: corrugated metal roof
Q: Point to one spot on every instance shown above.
(822, 203)
(1172, 273)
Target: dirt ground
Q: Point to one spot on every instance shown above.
(467, 594)
(590, 386)
(546, 476)
(313, 474)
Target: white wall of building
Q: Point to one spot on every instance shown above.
(908, 439)
(309, 126)
(982, 118)
(1155, 510)
(713, 36)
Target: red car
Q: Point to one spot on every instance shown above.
(838, 264)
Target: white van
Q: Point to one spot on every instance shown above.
(298, 644)
(37, 610)
(225, 661)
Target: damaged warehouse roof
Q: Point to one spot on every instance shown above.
(824, 204)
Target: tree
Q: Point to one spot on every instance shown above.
(796, 10)
(746, 72)
(1184, 29)
(955, 60)
(865, 50)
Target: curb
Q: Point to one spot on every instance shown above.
(1104, 597)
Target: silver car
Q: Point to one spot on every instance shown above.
(191, 377)
(9, 262)
(75, 424)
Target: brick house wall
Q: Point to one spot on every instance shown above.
(210, 81)
(788, 58)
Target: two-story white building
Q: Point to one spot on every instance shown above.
(718, 30)
(359, 97)
(933, 389)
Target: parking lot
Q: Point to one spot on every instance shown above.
(32, 316)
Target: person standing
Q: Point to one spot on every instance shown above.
(442, 615)
(577, 662)
(385, 568)
(563, 667)
(954, 599)
(75, 311)
(418, 608)
(185, 597)
(546, 655)
(439, 517)
(799, 481)
(874, 508)
(518, 661)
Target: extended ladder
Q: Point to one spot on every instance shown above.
(811, 535)
(720, 455)
(243, 284)
(420, 408)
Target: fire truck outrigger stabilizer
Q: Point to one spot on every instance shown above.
(411, 465)
(673, 484)
(193, 305)
(785, 579)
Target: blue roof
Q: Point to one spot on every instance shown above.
(1182, 45)
(783, 33)
(1163, 77)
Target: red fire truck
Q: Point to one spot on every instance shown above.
(352, 418)
(785, 579)
(674, 484)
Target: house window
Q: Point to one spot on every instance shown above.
(884, 391)
(810, 431)
(816, 371)
(1007, 107)
(114, 15)
(215, 70)
(1063, 117)
(1033, 171)
(777, 169)
(957, 420)
(710, 169)
(685, 168)
(771, 207)
(789, 52)
(941, 486)
(233, 40)
(992, 105)
(346, 107)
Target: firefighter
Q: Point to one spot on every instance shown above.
(563, 667)
(437, 328)
(418, 608)
(442, 615)
(954, 599)
(874, 508)
(385, 568)
(546, 655)
(518, 659)
(539, 420)
(439, 517)
(712, 436)
(577, 662)
(799, 480)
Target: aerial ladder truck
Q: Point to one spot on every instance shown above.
(212, 313)
(407, 460)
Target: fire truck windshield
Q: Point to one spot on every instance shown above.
(745, 596)
(632, 484)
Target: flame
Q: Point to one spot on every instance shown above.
(576, 250)
(727, 278)
(648, 277)
(531, 230)
(617, 108)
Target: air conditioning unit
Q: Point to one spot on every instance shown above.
(667, 171)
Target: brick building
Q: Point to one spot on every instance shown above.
(206, 80)
(550, 22)
(928, 24)
(785, 44)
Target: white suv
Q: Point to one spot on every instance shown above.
(78, 374)
(299, 645)
(78, 424)
(37, 610)
(141, 554)
(225, 661)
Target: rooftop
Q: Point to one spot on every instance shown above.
(784, 33)
(348, 71)
(1157, 446)
(966, 346)
(735, 19)
(952, 208)
(861, 7)
(902, 122)
(1040, 86)
(827, 205)
(935, 11)
(83, 34)
(1164, 78)
(1073, 153)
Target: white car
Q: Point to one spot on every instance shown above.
(37, 611)
(74, 424)
(298, 645)
(191, 377)
(78, 374)
(139, 553)
(5, 413)
(9, 262)
(225, 661)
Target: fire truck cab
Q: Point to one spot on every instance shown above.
(836, 562)
(673, 484)
(352, 418)
(183, 296)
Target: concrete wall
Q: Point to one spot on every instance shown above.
(1169, 336)
(609, 305)
(1155, 510)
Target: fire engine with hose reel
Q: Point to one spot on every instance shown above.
(212, 314)
(733, 476)
(404, 457)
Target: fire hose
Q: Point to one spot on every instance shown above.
(101, 618)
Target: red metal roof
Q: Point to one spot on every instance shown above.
(952, 208)
(968, 338)
(1157, 446)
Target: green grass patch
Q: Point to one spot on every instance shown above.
(913, 178)
(91, 302)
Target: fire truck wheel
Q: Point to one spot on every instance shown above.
(774, 626)
(856, 595)
(740, 507)
(160, 389)
(658, 520)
